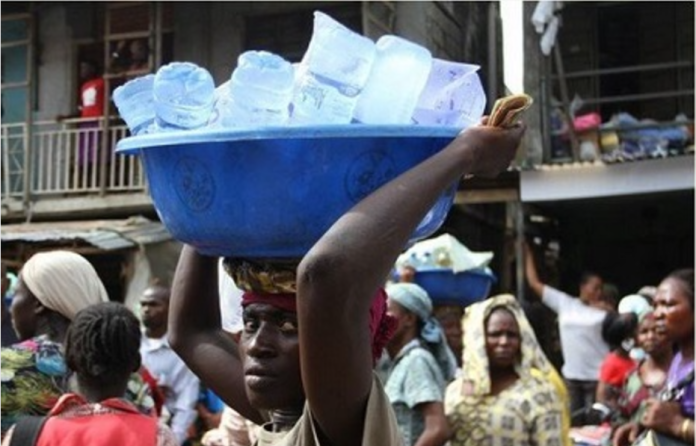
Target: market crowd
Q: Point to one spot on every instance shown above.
(325, 352)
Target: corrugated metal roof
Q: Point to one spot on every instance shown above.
(104, 234)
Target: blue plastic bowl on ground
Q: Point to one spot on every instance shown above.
(273, 192)
(447, 288)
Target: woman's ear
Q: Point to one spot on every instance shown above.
(39, 308)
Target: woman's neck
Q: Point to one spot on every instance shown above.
(284, 419)
(396, 345)
(96, 393)
(660, 360)
(53, 325)
(502, 378)
(686, 347)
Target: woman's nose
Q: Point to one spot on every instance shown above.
(262, 342)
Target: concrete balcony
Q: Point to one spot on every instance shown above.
(69, 169)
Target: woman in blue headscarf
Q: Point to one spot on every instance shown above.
(421, 365)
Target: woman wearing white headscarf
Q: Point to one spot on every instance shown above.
(52, 287)
(420, 367)
(55, 285)
(499, 400)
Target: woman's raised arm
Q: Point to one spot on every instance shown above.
(196, 335)
(338, 278)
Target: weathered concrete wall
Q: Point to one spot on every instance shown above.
(432, 26)
(54, 68)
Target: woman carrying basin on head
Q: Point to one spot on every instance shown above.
(306, 355)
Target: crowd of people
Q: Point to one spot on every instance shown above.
(326, 353)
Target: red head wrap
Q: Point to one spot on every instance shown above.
(381, 326)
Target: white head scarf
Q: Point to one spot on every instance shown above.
(63, 281)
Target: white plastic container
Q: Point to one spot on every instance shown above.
(183, 96)
(453, 96)
(397, 78)
(332, 74)
(135, 103)
(257, 94)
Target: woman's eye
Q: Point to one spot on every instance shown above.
(250, 326)
(288, 327)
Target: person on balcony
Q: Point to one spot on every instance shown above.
(90, 111)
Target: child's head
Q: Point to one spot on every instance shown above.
(103, 344)
(619, 330)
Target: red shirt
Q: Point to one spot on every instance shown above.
(92, 98)
(113, 422)
(615, 368)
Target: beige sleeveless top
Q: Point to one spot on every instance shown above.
(380, 425)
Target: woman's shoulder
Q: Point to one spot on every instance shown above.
(419, 354)
(36, 359)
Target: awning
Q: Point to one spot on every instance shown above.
(593, 180)
(108, 235)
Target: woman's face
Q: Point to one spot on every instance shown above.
(24, 311)
(649, 339)
(502, 339)
(404, 321)
(270, 351)
(591, 290)
(674, 313)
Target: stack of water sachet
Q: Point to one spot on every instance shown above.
(343, 78)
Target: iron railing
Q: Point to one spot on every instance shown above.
(68, 158)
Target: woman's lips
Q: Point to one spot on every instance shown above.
(259, 382)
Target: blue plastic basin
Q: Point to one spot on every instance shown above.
(273, 192)
(464, 288)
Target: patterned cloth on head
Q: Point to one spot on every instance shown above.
(63, 281)
(416, 300)
(528, 412)
(277, 276)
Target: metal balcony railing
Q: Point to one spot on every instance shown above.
(67, 158)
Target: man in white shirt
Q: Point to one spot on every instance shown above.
(580, 328)
(181, 387)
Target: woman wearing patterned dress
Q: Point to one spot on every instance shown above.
(498, 401)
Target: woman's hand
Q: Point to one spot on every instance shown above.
(663, 416)
(491, 149)
(625, 434)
